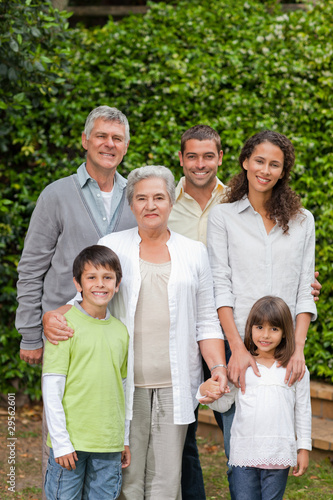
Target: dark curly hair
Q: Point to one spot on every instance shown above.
(284, 203)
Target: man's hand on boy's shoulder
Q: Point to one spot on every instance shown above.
(55, 325)
(33, 357)
(68, 461)
(125, 457)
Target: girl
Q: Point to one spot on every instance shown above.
(263, 443)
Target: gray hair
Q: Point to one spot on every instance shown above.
(108, 114)
(157, 171)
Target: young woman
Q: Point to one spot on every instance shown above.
(263, 444)
(261, 242)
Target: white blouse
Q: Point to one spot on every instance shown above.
(272, 421)
(247, 263)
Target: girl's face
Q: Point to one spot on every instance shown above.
(264, 168)
(266, 338)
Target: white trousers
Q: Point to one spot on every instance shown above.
(156, 445)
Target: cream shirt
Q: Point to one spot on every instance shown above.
(151, 327)
(186, 216)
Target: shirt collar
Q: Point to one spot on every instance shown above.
(243, 204)
(83, 177)
(180, 187)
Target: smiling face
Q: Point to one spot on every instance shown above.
(200, 161)
(98, 286)
(266, 338)
(264, 169)
(151, 204)
(105, 147)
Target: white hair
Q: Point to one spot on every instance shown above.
(157, 171)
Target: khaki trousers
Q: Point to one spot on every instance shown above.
(156, 445)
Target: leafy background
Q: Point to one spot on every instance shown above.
(237, 66)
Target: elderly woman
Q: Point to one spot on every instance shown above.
(166, 301)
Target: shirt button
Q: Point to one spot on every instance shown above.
(104, 218)
(98, 195)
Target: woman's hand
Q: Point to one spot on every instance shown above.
(55, 325)
(239, 362)
(296, 367)
(316, 287)
(219, 375)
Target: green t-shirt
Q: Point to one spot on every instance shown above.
(94, 361)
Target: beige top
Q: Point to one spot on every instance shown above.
(151, 327)
(187, 217)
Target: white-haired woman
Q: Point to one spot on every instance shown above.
(166, 301)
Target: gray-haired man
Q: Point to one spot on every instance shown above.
(71, 213)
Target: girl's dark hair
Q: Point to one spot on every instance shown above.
(98, 256)
(274, 311)
(284, 203)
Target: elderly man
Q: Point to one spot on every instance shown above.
(71, 214)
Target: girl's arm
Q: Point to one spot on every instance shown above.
(240, 359)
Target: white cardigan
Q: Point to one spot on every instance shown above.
(193, 316)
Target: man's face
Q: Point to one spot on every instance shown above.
(105, 147)
(200, 161)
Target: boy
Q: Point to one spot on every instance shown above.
(83, 388)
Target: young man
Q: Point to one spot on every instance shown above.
(196, 193)
(83, 387)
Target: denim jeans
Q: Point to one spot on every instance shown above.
(97, 477)
(252, 483)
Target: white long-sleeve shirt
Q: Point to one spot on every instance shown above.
(272, 421)
(247, 263)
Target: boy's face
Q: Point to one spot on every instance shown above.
(98, 286)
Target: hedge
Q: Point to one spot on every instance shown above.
(237, 66)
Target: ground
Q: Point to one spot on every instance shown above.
(317, 484)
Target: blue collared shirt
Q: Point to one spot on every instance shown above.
(93, 197)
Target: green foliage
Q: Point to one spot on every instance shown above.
(237, 66)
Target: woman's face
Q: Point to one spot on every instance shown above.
(264, 168)
(151, 204)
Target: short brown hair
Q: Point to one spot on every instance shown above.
(274, 311)
(98, 256)
(200, 133)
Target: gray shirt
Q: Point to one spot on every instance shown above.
(68, 217)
